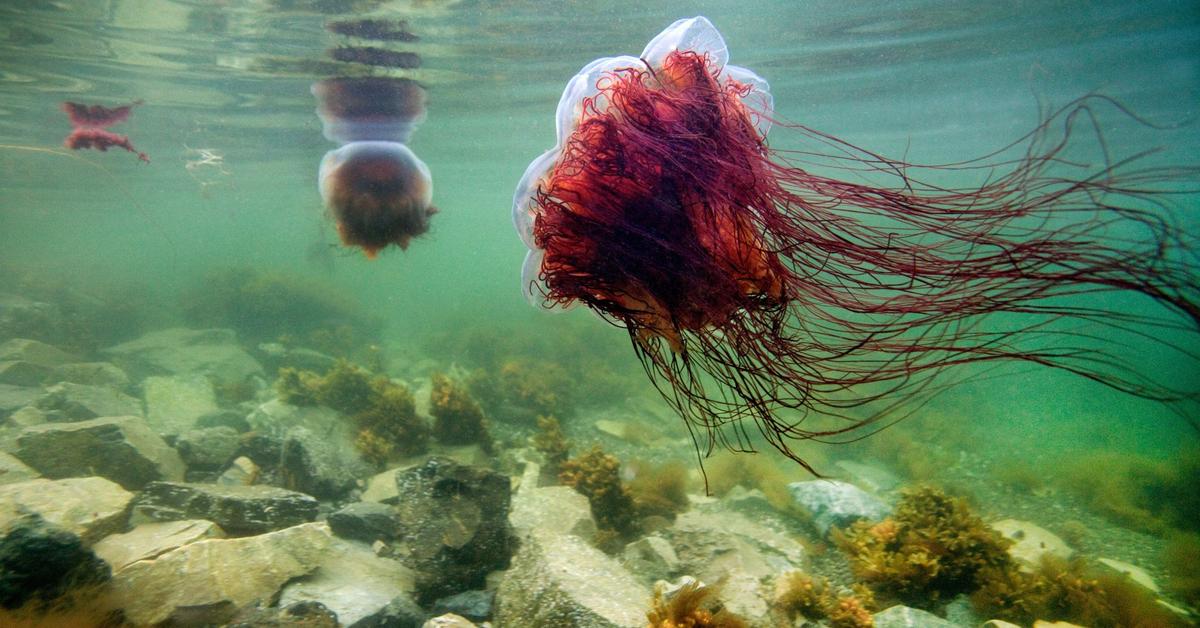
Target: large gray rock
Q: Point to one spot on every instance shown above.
(239, 510)
(34, 352)
(79, 402)
(209, 448)
(90, 508)
(212, 352)
(560, 581)
(453, 525)
(554, 508)
(13, 398)
(206, 581)
(901, 616)
(21, 317)
(365, 521)
(39, 562)
(317, 447)
(122, 449)
(352, 582)
(92, 374)
(174, 402)
(151, 540)
(834, 503)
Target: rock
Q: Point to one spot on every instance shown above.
(21, 373)
(1030, 543)
(401, 612)
(834, 503)
(13, 398)
(39, 562)
(352, 582)
(381, 487)
(13, 470)
(28, 417)
(34, 352)
(208, 449)
(276, 356)
(652, 558)
(241, 472)
(122, 449)
(91, 508)
(224, 418)
(900, 616)
(151, 540)
(1041, 623)
(79, 402)
(177, 351)
(21, 317)
(874, 479)
(998, 623)
(1135, 573)
(454, 525)
(365, 521)
(554, 508)
(299, 615)
(321, 463)
(449, 620)
(92, 374)
(173, 403)
(207, 581)
(473, 605)
(560, 581)
(239, 510)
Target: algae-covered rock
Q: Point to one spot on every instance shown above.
(34, 352)
(175, 402)
(39, 562)
(13, 470)
(151, 540)
(239, 510)
(122, 449)
(212, 352)
(207, 581)
(79, 402)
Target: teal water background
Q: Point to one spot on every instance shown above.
(931, 81)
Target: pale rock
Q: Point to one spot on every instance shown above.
(241, 472)
(1041, 623)
(173, 403)
(34, 352)
(80, 402)
(560, 581)
(651, 558)
(208, 580)
(92, 373)
(449, 620)
(13, 398)
(834, 503)
(998, 623)
(1030, 543)
(22, 373)
(212, 352)
(27, 417)
(150, 540)
(13, 470)
(554, 508)
(351, 581)
(872, 478)
(1135, 573)
(122, 449)
(901, 616)
(381, 487)
(90, 508)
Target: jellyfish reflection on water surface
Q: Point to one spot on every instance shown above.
(376, 188)
(751, 286)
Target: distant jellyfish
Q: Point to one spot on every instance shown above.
(761, 294)
(377, 190)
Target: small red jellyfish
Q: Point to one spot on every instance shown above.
(758, 292)
(377, 190)
(88, 123)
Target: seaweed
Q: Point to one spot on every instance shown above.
(798, 594)
(597, 475)
(550, 441)
(932, 548)
(458, 418)
(660, 490)
(689, 606)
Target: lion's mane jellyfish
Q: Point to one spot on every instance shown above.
(377, 190)
(89, 124)
(758, 292)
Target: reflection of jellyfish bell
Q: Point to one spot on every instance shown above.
(755, 290)
(377, 190)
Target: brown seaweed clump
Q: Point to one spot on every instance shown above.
(798, 594)
(689, 606)
(660, 490)
(377, 29)
(457, 418)
(932, 548)
(597, 476)
(383, 411)
(550, 441)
